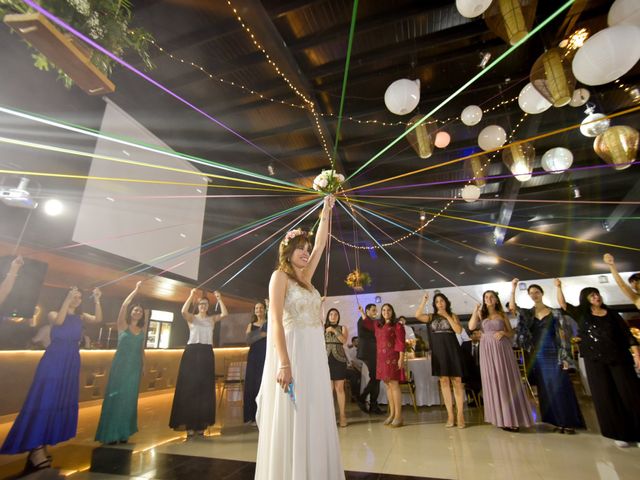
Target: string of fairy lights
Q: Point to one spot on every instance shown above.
(434, 216)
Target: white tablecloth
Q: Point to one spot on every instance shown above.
(427, 388)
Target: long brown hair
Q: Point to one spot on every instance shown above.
(284, 256)
(485, 310)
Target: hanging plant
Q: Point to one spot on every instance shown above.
(105, 21)
(358, 280)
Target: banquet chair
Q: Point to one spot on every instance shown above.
(409, 385)
(234, 378)
(522, 367)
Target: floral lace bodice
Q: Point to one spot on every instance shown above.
(301, 307)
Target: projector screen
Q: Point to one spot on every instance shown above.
(140, 221)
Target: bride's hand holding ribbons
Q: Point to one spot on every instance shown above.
(284, 376)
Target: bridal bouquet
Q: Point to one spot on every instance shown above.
(358, 280)
(328, 181)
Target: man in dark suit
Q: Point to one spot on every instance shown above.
(471, 354)
(367, 353)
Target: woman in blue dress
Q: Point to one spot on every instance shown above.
(49, 414)
(544, 333)
(257, 341)
(119, 416)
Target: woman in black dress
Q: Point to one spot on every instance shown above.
(446, 360)
(544, 334)
(335, 337)
(257, 341)
(614, 385)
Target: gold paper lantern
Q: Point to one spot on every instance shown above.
(519, 159)
(552, 76)
(511, 20)
(473, 168)
(617, 146)
(421, 137)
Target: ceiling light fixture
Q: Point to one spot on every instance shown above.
(53, 207)
(423, 216)
(485, 57)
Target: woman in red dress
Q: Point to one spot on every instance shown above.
(390, 361)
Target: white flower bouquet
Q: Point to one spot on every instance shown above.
(328, 181)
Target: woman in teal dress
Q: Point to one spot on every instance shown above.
(119, 417)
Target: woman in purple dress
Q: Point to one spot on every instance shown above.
(49, 415)
(505, 400)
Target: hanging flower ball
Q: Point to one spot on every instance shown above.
(442, 139)
(402, 96)
(470, 193)
(492, 137)
(471, 115)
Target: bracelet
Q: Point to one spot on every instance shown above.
(282, 367)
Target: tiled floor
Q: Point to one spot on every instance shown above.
(421, 449)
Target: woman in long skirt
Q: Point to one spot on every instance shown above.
(505, 401)
(49, 415)
(119, 415)
(194, 400)
(614, 384)
(257, 340)
(543, 333)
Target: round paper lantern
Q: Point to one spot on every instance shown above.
(580, 97)
(472, 8)
(470, 193)
(402, 96)
(607, 55)
(591, 128)
(557, 160)
(623, 12)
(471, 115)
(618, 146)
(531, 101)
(492, 137)
(442, 139)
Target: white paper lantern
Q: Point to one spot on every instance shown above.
(591, 128)
(492, 137)
(580, 97)
(624, 12)
(531, 100)
(471, 115)
(442, 139)
(402, 96)
(470, 193)
(472, 8)
(557, 160)
(607, 55)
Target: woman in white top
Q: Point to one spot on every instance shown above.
(194, 401)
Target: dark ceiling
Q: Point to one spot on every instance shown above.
(307, 40)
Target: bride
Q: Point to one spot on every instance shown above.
(298, 437)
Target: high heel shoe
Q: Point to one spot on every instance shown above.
(342, 423)
(31, 466)
(388, 421)
(461, 424)
(396, 424)
(449, 424)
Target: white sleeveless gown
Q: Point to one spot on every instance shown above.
(298, 442)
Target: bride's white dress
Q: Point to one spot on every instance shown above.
(298, 441)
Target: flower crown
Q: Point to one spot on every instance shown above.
(291, 234)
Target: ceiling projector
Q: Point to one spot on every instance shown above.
(18, 196)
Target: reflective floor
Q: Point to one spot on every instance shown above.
(424, 448)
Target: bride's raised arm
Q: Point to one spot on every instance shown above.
(321, 238)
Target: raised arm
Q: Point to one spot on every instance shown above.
(367, 322)
(10, 279)
(624, 287)
(475, 317)
(321, 239)
(512, 301)
(420, 313)
(277, 291)
(454, 321)
(223, 308)
(560, 294)
(186, 314)
(97, 316)
(122, 314)
(59, 316)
